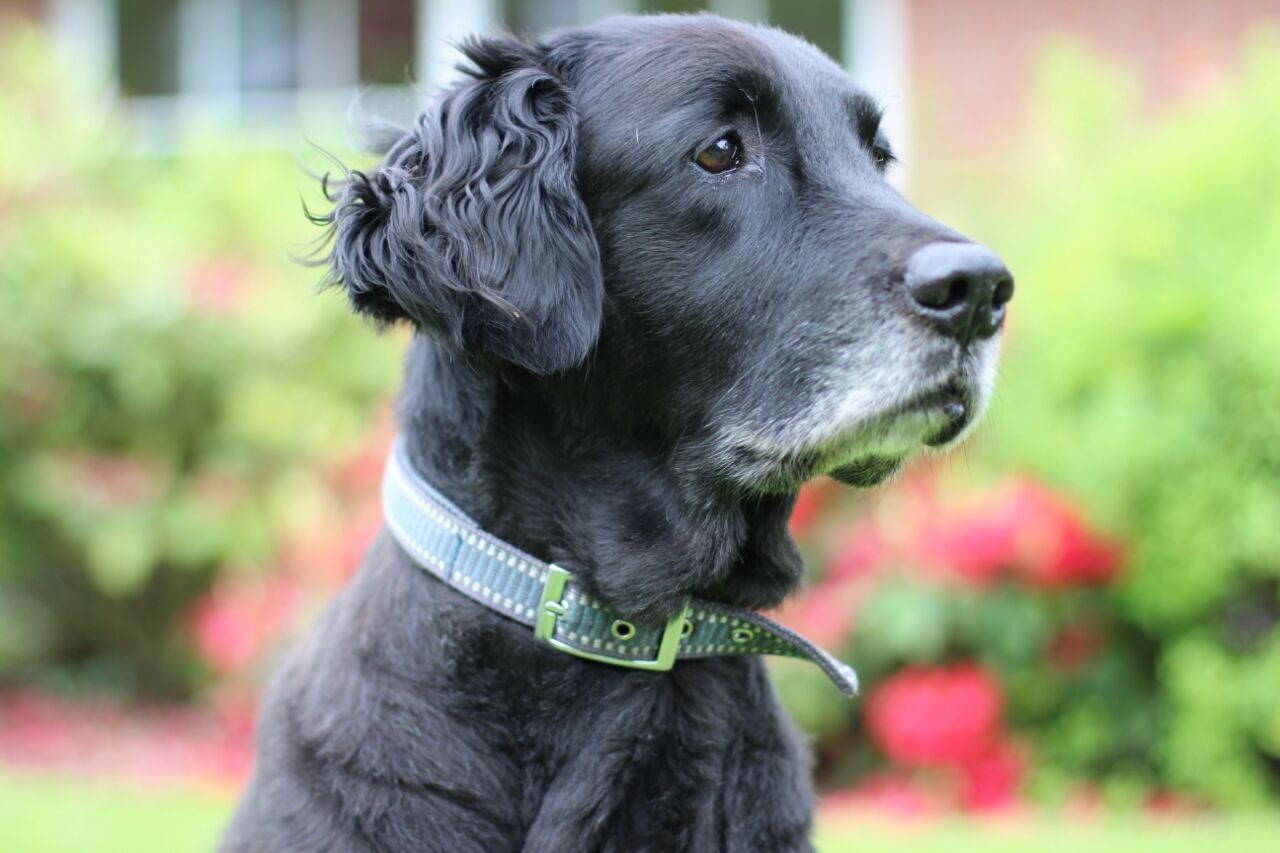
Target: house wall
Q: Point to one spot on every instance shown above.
(30, 9)
(972, 62)
(950, 71)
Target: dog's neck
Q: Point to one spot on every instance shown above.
(548, 472)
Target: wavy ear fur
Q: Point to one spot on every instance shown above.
(472, 228)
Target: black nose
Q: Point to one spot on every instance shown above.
(959, 288)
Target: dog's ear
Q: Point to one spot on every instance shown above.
(472, 228)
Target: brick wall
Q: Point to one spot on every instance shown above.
(971, 60)
(32, 9)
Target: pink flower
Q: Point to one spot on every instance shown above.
(217, 287)
(317, 555)
(358, 476)
(1021, 529)
(825, 613)
(864, 549)
(234, 622)
(813, 498)
(975, 545)
(1074, 646)
(226, 638)
(99, 736)
(898, 795)
(1052, 545)
(1165, 803)
(990, 781)
(936, 716)
(359, 535)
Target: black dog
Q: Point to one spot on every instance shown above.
(660, 281)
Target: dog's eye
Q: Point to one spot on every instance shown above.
(722, 155)
(881, 155)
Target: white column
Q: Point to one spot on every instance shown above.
(208, 46)
(877, 54)
(751, 11)
(85, 30)
(208, 62)
(440, 25)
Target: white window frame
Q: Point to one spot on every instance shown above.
(210, 97)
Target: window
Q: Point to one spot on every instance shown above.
(148, 46)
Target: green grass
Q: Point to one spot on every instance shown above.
(1053, 834)
(51, 815)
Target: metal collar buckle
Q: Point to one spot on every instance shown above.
(551, 607)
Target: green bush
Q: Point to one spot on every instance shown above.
(1143, 377)
(171, 387)
(173, 399)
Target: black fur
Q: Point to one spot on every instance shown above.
(627, 366)
(473, 228)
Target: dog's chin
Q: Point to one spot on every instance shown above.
(874, 468)
(867, 472)
(875, 450)
(863, 451)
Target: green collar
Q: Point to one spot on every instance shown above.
(443, 541)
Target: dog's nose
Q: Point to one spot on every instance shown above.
(959, 288)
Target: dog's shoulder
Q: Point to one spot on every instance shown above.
(407, 705)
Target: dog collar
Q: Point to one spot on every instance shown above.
(443, 541)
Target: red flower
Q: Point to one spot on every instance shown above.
(897, 795)
(1163, 802)
(358, 476)
(990, 781)
(234, 622)
(359, 535)
(1074, 646)
(864, 549)
(977, 546)
(98, 736)
(1023, 529)
(825, 613)
(813, 498)
(1054, 545)
(946, 715)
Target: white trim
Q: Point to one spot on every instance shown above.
(876, 52)
(439, 26)
(85, 30)
(209, 61)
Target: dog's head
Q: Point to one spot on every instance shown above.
(690, 219)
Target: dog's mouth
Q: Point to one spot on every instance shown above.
(955, 401)
(868, 450)
(934, 418)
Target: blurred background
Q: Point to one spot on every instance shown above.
(1068, 629)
